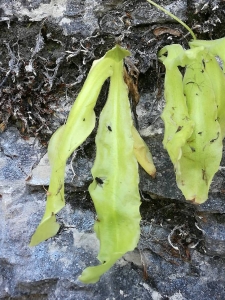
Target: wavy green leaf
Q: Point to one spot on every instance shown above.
(194, 117)
(215, 73)
(67, 138)
(115, 187)
(203, 151)
(178, 125)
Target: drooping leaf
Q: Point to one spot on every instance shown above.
(178, 125)
(115, 187)
(195, 147)
(66, 139)
(215, 73)
(203, 151)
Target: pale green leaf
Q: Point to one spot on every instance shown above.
(178, 125)
(66, 139)
(215, 73)
(115, 187)
(193, 119)
(203, 151)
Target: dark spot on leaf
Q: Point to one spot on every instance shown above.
(203, 62)
(190, 82)
(99, 180)
(204, 177)
(213, 140)
(179, 128)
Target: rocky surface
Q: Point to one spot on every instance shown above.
(47, 48)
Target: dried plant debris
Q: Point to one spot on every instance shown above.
(25, 89)
(207, 17)
(35, 70)
(159, 30)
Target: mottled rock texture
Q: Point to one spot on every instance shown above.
(47, 48)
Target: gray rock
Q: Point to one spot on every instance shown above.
(18, 156)
(148, 14)
(49, 271)
(212, 226)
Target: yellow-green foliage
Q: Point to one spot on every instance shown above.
(194, 114)
(114, 189)
(217, 49)
(66, 139)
